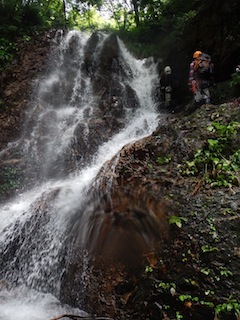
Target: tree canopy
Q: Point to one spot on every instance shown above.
(165, 27)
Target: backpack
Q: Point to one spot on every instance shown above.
(203, 65)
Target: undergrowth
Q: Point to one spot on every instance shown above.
(218, 162)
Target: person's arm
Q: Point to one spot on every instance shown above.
(191, 77)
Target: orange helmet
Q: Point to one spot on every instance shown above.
(197, 54)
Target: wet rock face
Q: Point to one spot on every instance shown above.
(17, 83)
(120, 226)
(192, 258)
(103, 63)
(120, 230)
(103, 66)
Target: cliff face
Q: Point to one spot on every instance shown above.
(17, 83)
(199, 256)
(163, 182)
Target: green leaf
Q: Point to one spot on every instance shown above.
(185, 297)
(177, 220)
(215, 160)
(213, 142)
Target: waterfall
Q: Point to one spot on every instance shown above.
(64, 146)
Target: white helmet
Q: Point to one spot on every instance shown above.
(167, 70)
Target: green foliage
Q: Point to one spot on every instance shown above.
(178, 316)
(52, 14)
(229, 211)
(89, 19)
(223, 130)
(120, 16)
(219, 160)
(235, 79)
(232, 305)
(228, 308)
(212, 227)
(30, 16)
(225, 272)
(7, 50)
(166, 286)
(178, 221)
(184, 19)
(148, 269)
(19, 17)
(10, 180)
(208, 248)
(188, 297)
(163, 160)
(205, 271)
(137, 41)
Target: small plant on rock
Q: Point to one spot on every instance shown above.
(219, 160)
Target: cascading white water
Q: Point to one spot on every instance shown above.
(33, 225)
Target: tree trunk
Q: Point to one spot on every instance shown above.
(64, 13)
(136, 12)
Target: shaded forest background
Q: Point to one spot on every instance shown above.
(169, 30)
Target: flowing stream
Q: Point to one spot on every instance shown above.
(33, 224)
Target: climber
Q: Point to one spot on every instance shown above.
(200, 77)
(166, 86)
(192, 81)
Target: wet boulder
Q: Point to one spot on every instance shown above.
(119, 231)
